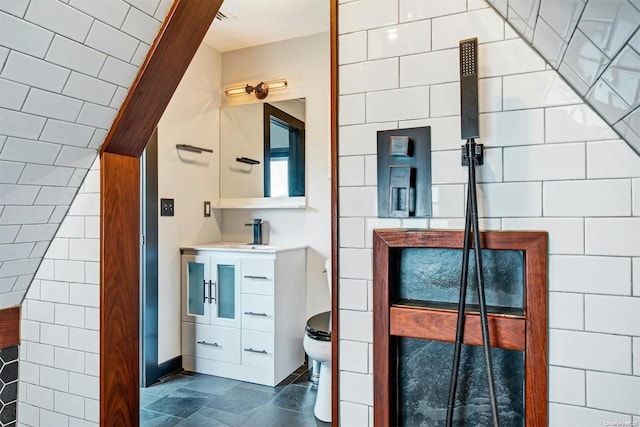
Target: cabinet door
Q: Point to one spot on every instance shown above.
(196, 287)
(225, 296)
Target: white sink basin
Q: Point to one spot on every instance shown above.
(259, 247)
(238, 246)
(248, 246)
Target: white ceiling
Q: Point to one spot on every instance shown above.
(256, 22)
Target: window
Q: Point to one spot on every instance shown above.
(284, 166)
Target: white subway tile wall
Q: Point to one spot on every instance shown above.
(566, 311)
(353, 232)
(75, 56)
(406, 103)
(354, 356)
(575, 123)
(399, 40)
(551, 164)
(636, 281)
(352, 109)
(411, 10)
(353, 414)
(369, 76)
(567, 386)
(532, 90)
(580, 416)
(61, 370)
(593, 198)
(371, 170)
(444, 100)
(612, 159)
(361, 139)
(65, 69)
(636, 360)
(613, 392)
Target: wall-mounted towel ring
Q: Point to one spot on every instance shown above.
(247, 160)
(192, 148)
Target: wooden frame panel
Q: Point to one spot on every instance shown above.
(505, 332)
(9, 327)
(528, 334)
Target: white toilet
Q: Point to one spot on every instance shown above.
(317, 345)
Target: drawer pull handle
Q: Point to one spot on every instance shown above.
(250, 350)
(256, 277)
(215, 344)
(251, 313)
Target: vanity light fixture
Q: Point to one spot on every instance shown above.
(261, 90)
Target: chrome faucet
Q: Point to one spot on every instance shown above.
(257, 230)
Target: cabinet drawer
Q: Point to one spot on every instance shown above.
(257, 349)
(211, 342)
(257, 276)
(257, 312)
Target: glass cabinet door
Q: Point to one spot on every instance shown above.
(197, 281)
(226, 292)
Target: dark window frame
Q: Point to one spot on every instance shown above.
(289, 121)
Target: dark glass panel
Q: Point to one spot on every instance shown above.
(424, 372)
(433, 274)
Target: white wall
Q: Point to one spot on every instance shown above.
(192, 117)
(304, 62)
(60, 338)
(551, 164)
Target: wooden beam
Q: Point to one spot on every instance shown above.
(178, 40)
(9, 327)
(335, 220)
(120, 290)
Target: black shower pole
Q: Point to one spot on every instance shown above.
(464, 276)
(472, 153)
(472, 147)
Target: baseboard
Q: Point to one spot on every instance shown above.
(169, 368)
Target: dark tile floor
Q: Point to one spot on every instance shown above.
(190, 399)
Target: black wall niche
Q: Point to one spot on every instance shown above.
(9, 386)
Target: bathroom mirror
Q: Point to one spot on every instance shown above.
(262, 153)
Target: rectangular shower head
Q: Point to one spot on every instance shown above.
(469, 88)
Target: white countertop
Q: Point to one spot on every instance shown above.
(241, 247)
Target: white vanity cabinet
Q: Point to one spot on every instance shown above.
(243, 311)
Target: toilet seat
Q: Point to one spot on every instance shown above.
(319, 326)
